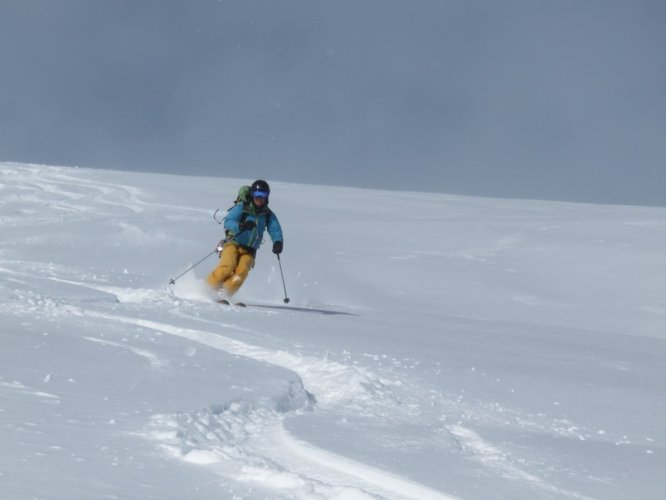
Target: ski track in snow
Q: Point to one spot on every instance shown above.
(495, 458)
(76, 194)
(18, 386)
(330, 383)
(152, 359)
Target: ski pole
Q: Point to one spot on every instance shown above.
(286, 299)
(172, 281)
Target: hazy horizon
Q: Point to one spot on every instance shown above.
(524, 99)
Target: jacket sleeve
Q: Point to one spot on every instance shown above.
(233, 218)
(274, 228)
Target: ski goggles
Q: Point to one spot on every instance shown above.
(259, 194)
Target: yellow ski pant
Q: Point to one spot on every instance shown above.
(232, 269)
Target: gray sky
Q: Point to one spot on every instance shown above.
(549, 99)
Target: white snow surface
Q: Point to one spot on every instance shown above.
(434, 347)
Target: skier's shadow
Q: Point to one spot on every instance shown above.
(304, 309)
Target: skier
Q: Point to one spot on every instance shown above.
(244, 228)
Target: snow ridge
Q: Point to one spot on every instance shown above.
(252, 430)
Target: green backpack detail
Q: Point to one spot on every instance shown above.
(243, 195)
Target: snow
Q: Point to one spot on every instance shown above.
(434, 346)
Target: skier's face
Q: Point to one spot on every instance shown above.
(259, 200)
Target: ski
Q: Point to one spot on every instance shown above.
(286, 308)
(228, 303)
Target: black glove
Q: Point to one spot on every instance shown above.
(247, 225)
(277, 247)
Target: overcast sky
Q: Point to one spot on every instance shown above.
(549, 99)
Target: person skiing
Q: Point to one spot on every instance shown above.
(244, 228)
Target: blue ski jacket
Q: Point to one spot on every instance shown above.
(264, 218)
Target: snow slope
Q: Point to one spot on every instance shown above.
(434, 346)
